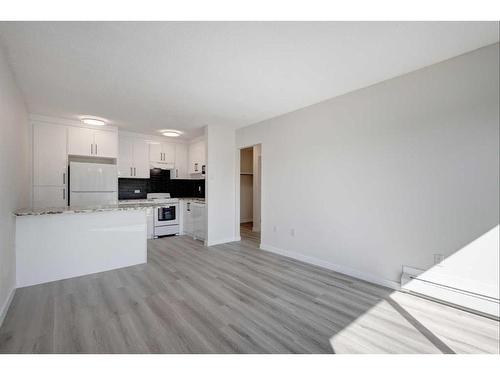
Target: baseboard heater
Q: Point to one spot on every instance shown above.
(413, 281)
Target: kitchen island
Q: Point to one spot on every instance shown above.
(59, 243)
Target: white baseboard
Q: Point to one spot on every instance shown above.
(331, 266)
(220, 242)
(6, 305)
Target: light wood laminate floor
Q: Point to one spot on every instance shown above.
(233, 298)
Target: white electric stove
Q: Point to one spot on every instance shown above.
(166, 213)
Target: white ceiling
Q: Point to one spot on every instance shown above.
(145, 76)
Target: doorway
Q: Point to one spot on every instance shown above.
(250, 194)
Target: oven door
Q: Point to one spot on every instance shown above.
(167, 215)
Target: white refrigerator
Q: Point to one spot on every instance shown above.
(92, 184)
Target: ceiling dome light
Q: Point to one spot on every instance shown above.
(171, 133)
(93, 121)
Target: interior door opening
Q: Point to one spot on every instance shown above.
(250, 194)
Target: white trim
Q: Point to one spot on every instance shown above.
(220, 242)
(334, 267)
(6, 305)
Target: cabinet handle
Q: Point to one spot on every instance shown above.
(131, 171)
(64, 178)
(196, 167)
(135, 173)
(64, 194)
(91, 149)
(176, 173)
(96, 148)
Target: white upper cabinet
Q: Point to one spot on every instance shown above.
(92, 142)
(162, 152)
(125, 157)
(49, 155)
(196, 157)
(141, 158)
(133, 160)
(180, 170)
(80, 141)
(156, 152)
(106, 143)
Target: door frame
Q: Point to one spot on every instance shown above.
(238, 188)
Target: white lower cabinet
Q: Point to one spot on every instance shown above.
(49, 196)
(150, 222)
(194, 219)
(198, 210)
(187, 218)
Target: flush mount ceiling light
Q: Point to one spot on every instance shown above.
(171, 133)
(93, 121)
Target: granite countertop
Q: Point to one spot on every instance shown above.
(201, 200)
(85, 209)
(122, 205)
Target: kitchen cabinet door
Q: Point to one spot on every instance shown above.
(188, 219)
(198, 213)
(168, 152)
(180, 170)
(125, 157)
(80, 141)
(141, 159)
(49, 155)
(196, 157)
(156, 152)
(106, 143)
(49, 196)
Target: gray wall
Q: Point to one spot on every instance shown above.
(387, 175)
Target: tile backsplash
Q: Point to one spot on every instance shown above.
(159, 182)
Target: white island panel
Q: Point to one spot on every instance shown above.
(61, 246)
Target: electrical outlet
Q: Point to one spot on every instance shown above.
(137, 191)
(438, 259)
(292, 232)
